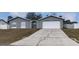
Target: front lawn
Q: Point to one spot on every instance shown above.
(73, 34)
(11, 35)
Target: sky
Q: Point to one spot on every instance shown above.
(73, 16)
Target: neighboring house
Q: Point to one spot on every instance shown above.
(68, 24)
(47, 22)
(3, 24)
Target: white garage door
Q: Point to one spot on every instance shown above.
(51, 24)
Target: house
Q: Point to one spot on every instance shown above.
(47, 22)
(3, 24)
(68, 24)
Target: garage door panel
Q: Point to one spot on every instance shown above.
(51, 24)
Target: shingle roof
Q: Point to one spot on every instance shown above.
(52, 16)
(65, 22)
(16, 18)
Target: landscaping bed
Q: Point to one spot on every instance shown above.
(11, 35)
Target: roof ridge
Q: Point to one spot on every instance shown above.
(51, 16)
(3, 20)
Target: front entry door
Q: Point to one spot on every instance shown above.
(34, 24)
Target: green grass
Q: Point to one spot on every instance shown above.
(72, 33)
(12, 35)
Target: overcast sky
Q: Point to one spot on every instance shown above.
(73, 16)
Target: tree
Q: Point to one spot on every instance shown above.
(52, 14)
(10, 17)
(68, 21)
(60, 16)
(33, 16)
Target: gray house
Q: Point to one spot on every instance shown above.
(47, 22)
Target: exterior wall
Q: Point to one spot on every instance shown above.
(18, 23)
(69, 26)
(3, 25)
(38, 23)
(30, 24)
(50, 19)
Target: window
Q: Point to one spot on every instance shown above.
(14, 25)
(23, 24)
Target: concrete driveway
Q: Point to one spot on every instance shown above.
(47, 37)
